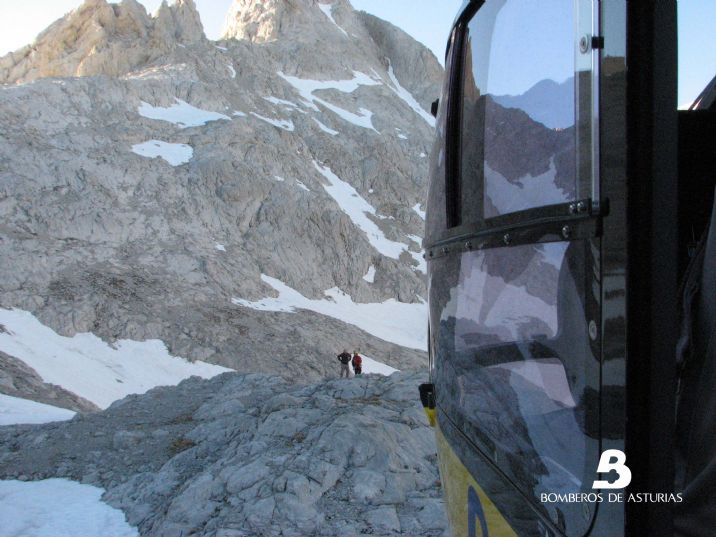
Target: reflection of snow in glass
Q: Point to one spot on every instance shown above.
(499, 308)
(525, 193)
(548, 376)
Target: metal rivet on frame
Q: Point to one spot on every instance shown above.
(507, 239)
(585, 44)
(581, 207)
(593, 330)
(572, 208)
(468, 245)
(566, 232)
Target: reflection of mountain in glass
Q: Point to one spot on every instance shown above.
(547, 102)
(526, 164)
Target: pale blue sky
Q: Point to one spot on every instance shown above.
(426, 20)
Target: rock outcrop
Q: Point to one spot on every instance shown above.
(99, 38)
(247, 455)
(274, 157)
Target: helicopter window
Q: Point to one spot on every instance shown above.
(436, 218)
(518, 112)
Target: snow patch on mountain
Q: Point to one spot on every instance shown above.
(58, 508)
(371, 365)
(174, 154)
(419, 211)
(90, 367)
(15, 410)
(306, 88)
(370, 275)
(181, 114)
(325, 128)
(328, 11)
(285, 124)
(393, 321)
(300, 185)
(408, 98)
(357, 208)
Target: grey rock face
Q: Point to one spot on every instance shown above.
(248, 455)
(415, 66)
(95, 237)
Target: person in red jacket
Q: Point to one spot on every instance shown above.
(357, 363)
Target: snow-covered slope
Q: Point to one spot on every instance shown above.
(58, 508)
(89, 367)
(16, 410)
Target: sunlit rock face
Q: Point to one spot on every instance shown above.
(99, 38)
(249, 455)
(254, 202)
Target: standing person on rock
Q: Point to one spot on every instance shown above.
(344, 358)
(357, 363)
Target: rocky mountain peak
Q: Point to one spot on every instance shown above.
(180, 21)
(260, 21)
(102, 38)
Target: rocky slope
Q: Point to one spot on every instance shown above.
(294, 149)
(249, 455)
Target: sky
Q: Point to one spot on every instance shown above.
(426, 20)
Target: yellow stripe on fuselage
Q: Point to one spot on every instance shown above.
(469, 509)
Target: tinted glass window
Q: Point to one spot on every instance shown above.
(516, 369)
(518, 113)
(435, 220)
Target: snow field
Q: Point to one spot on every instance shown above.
(393, 321)
(357, 208)
(174, 154)
(371, 365)
(181, 114)
(306, 88)
(408, 98)
(58, 508)
(325, 128)
(328, 12)
(14, 410)
(285, 124)
(419, 212)
(91, 368)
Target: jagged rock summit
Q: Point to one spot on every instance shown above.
(103, 38)
(254, 202)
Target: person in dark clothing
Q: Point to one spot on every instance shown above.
(357, 363)
(344, 358)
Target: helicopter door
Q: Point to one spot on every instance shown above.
(515, 274)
